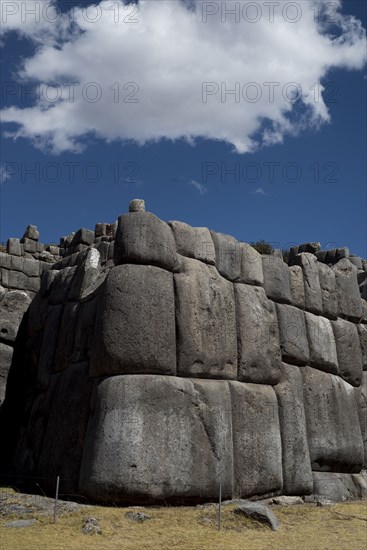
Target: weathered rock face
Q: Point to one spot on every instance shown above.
(158, 360)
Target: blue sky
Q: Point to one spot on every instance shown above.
(294, 175)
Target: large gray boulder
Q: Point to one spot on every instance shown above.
(293, 335)
(154, 438)
(349, 352)
(328, 291)
(257, 467)
(321, 343)
(206, 322)
(297, 473)
(135, 329)
(297, 286)
(259, 357)
(313, 296)
(194, 242)
(6, 354)
(336, 487)
(12, 308)
(239, 262)
(334, 435)
(361, 397)
(142, 238)
(349, 298)
(277, 279)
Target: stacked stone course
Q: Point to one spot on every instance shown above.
(157, 358)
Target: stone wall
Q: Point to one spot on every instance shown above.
(158, 358)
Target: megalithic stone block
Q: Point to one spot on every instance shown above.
(206, 322)
(334, 434)
(142, 238)
(135, 328)
(349, 297)
(259, 357)
(293, 335)
(154, 438)
(297, 286)
(313, 296)
(257, 467)
(328, 291)
(349, 352)
(361, 397)
(277, 279)
(321, 342)
(362, 331)
(194, 242)
(236, 261)
(297, 473)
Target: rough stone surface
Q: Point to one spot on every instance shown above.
(334, 437)
(142, 238)
(135, 332)
(313, 295)
(194, 242)
(6, 354)
(349, 298)
(137, 205)
(259, 357)
(148, 439)
(361, 397)
(321, 343)
(257, 468)
(297, 286)
(293, 335)
(206, 322)
(12, 308)
(297, 474)
(260, 512)
(362, 331)
(328, 291)
(335, 487)
(239, 262)
(349, 351)
(277, 279)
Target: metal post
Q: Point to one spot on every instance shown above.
(220, 506)
(56, 496)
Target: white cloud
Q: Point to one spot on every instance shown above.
(168, 54)
(259, 191)
(200, 187)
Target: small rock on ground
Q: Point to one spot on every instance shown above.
(91, 526)
(259, 512)
(137, 516)
(20, 523)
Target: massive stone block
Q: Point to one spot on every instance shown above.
(297, 286)
(206, 322)
(293, 335)
(362, 330)
(334, 435)
(321, 343)
(257, 447)
(277, 279)
(313, 296)
(361, 396)
(349, 297)
(135, 329)
(153, 438)
(259, 357)
(338, 487)
(194, 242)
(349, 351)
(142, 238)
(12, 308)
(328, 291)
(6, 354)
(236, 261)
(297, 473)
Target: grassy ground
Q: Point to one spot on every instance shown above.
(304, 527)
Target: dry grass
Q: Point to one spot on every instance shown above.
(304, 527)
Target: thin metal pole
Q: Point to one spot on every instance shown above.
(56, 496)
(220, 506)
